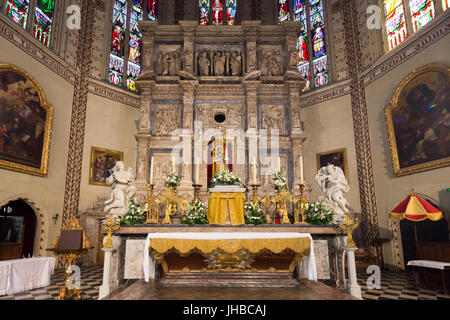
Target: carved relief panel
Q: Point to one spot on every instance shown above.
(273, 117)
(233, 115)
(167, 118)
(168, 60)
(162, 168)
(270, 60)
(223, 61)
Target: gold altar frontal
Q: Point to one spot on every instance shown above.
(226, 207)
(187, 261)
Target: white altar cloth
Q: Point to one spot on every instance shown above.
(309, 263)
(25, 274)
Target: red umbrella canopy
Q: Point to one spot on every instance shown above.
(414, 208)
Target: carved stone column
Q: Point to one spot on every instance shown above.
(291, 30)
(189, 87)
(189, 39)
(251, 36)
(148, 43)
(297, 133)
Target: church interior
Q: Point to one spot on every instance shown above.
(224, 149)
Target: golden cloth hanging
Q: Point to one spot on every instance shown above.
(222, 205)
(184, 246)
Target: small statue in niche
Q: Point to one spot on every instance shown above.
(166, 64)
(187, 59)
(236, 64)
(293, 59)
(159, 64)
(204, 64)
(219, 64)
(174, 64)
(275, 64)
(251, 59)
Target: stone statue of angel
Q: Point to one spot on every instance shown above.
(122, 182)
(331, 180)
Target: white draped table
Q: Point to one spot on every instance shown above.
(25, 274)
(309, 263)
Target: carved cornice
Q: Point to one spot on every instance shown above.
(108, 91)
(429, 35)
(337, 90)
(35, 49)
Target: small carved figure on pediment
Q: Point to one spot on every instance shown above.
(252, 59)
(204, 64)
(159, 64)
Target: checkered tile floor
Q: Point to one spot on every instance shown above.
(398, 286)
(91, 280)
(394, 286)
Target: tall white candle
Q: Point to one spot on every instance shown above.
(152, 170)
(302, 178)
(255, 178)
(174, 166)
(279, 164)
(197, 172)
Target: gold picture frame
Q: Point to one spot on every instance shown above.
(336, 157)
(102, 161)
(25, 122)
(413, 116)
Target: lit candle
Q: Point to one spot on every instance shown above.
(302, 178)
(174, 166)
(279, 164)
(254, 171)
(151, 170)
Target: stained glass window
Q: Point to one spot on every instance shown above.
(231, 12)
(395, 22)
(217, 12)
(445, 4)
(302, 41)
(135, 44)
(283, 10)
(43, 20)
(204, 12)
(320, 61)
(152, 9)
(116, 60)
(422, 12)
(18, 11)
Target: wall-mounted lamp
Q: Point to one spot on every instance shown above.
(55, 218)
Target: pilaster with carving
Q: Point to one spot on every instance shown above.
(251, 37)
(148, 43)
(291, 29)
(188, 50)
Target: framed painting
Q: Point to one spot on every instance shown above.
(418, 121)
(335, 157)
(102, 161)
(25, 122)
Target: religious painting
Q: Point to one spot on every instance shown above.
(102, 161)
(334, 157)
(25, 122)
(418, 121)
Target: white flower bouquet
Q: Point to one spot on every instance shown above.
(318, 213)
(254, 214)
(279, 181)
(196, 213)
(172, 180)
(224, 176)
(135, 214)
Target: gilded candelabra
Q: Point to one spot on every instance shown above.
(280, 199)
(267, 203)
(152, 206)
(111, 224)
(173, 201)
(300, 206)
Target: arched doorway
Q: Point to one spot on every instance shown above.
(17, 230)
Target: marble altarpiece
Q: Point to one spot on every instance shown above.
(193, 73)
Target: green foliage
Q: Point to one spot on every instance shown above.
(318, 213)
(172, 180)
(196, 213)
(279, 181)
(254, 214)
(135, 214)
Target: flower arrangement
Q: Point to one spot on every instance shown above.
(135, 214)
(279, 180)
(224, 176)
(254, 214)
(172, 180)
(196, 213)
(318, 213)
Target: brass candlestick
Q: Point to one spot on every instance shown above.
(267, 203)
(281, 198)
(255, 186)
(173, 201)
(197, 188)
(152, 206)
(301, 204)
